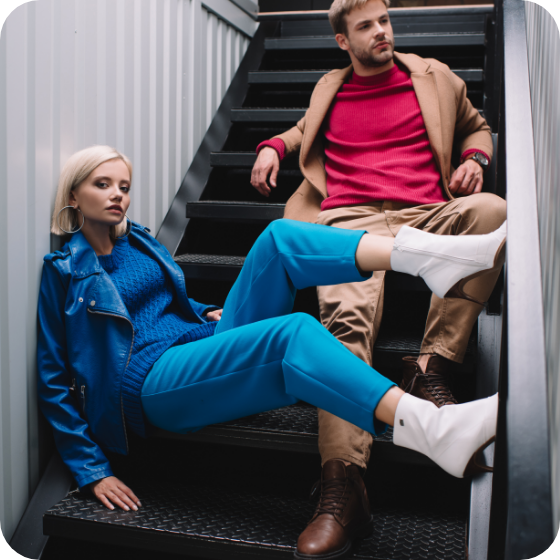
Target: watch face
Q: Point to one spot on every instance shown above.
(480, 158)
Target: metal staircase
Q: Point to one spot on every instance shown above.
(240, 489)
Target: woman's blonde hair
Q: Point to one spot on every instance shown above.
(75, 171)
(341, 8)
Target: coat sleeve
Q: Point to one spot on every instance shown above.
(471, 129)
(292, 138)
(72, 436)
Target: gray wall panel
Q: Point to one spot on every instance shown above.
(543, 45)
(143, 75)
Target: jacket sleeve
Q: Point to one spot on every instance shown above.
(202, 308)
(471, 130)
(81, 454)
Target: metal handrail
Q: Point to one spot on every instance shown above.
(529, 525)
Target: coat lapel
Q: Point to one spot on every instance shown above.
(311, 158)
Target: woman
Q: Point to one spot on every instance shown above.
(121, 344)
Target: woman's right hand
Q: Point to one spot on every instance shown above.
(111, 490)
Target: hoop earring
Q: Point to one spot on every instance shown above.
(128, 228)
(76, 230)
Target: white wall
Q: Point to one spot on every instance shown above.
(543, 49)
(145, 76)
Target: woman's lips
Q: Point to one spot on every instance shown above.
(115, 209)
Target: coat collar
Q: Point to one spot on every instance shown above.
(424, 84)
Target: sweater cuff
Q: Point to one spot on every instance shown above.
(473, 151)
(275, 143)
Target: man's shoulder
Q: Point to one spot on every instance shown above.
(337, 75)
(416, 63)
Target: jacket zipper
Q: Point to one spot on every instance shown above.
(73, 388)
(83, 392)
(405, 249)
(127, 362)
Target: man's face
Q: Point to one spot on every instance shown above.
(369, 34)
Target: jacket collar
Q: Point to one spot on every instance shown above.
(84, 259)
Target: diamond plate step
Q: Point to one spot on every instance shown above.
(202, 514)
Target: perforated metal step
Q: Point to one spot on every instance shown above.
(402, 40)
(235, 211)
(313, 76)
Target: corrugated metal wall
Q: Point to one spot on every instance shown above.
(145, 76)
(543, 44)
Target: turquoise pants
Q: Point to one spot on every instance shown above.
(262, 357)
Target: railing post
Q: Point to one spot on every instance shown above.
(529, 505)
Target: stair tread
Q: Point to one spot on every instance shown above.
(253, 518)
(401, 40)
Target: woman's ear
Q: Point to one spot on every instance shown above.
(72, 199)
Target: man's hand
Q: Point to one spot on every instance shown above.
(467, 179)
(111, 491)
(268, 163)
(215, 315)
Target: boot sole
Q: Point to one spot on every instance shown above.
(365, 530)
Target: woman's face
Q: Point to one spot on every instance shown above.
(104, 196)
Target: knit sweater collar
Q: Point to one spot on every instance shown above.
(112, 261)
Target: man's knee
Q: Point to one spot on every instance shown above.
(487, 210)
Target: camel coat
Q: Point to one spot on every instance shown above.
(448, 115)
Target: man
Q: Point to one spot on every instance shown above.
(375, 151)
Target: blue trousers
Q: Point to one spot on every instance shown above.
(261, 356)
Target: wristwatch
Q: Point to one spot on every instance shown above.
(481, 159)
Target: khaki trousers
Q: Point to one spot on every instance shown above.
(352, 312)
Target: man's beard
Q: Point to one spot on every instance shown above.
(374, 61)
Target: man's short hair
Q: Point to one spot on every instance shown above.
(341, 8)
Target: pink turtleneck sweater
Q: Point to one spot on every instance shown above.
(376, 144)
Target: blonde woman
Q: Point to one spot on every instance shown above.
(121, 343)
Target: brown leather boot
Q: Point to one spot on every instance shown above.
(342, 514)
(431, 386)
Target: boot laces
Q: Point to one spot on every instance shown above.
(436, 384)
(334, 495)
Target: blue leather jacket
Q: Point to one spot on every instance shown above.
(84, 344)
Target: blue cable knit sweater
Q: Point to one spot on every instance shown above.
(147, 294)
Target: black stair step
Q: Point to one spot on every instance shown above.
(233, 211)
(209, 516)
(292, 428)
(271, 115)
(401, 40)
(233, 159)
(227, 268)
(457, 23)
(313, 76)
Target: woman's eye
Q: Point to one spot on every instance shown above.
(102, 185)
(125, 189)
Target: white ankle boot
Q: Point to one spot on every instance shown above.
(447, 262)
(453, 436)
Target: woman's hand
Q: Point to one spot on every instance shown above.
(111, 489)
(215, 315)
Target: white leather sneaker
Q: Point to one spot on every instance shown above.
(453, 436)
(447, 262)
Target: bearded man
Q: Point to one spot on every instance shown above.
(375, 151)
